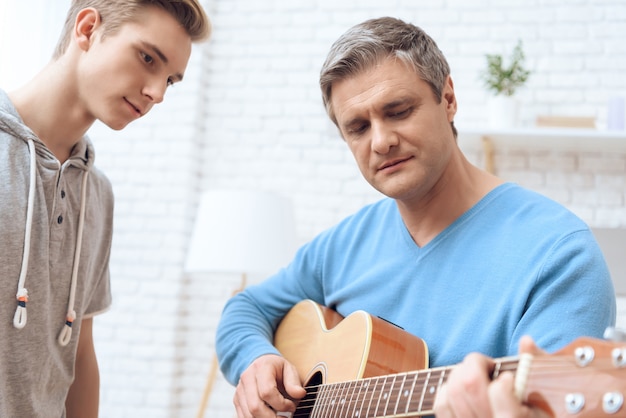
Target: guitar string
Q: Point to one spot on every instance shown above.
(540, 369)
(386, 389)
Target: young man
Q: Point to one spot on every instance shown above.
(454, 255)
(114, 61)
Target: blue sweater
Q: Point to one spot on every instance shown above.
(515, 264)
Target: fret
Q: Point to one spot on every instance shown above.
(341, 400)
(371, 390)
(324, 398)
(424, 389)
(429, 401)
(428, 386)
(387, 393)
(411, 392)
(351, 402)
(360, 398)
(398, 393)
(382, 383)
(334, 400)
(327, 401)
(345, 395)
(341, 404)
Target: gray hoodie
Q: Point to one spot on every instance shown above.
(55, 242)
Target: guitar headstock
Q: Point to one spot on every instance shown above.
(586, 379)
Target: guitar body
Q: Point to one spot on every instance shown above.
(329, 348)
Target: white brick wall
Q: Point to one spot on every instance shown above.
(249, 115)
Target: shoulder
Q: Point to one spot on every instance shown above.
(533, 208)
(100, 179)
(100, 191)
(365, 222)
(380, 212)
(552, 232)
(538, 227)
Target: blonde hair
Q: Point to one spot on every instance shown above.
(115, 13)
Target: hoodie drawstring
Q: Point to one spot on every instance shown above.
(20, 318)
(66, 332)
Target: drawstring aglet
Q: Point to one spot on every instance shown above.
(20, 317)
(66, 333)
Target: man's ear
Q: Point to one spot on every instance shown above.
(449, 98)
(87, 21)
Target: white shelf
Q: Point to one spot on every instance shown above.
(569, 139)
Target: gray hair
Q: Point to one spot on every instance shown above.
(374, 40)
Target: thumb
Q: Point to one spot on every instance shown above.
(527, 345)
(291, 382)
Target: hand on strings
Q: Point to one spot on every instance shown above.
(268, 386)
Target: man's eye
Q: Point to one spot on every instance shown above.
(401, 113)
(357, 129)
(147, 58)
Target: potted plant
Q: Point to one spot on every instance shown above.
(503, 81)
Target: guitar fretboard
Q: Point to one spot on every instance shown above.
(409, 394)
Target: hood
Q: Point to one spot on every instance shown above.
(82, 155)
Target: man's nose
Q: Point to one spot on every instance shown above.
(383, 138)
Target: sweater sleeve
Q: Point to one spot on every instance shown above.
(249, 319)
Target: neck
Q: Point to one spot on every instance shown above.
(49, 106)
(461, 186)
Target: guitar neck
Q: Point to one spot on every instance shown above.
(410, 394)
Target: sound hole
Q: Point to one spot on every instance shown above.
(306, 404)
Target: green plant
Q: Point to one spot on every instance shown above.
(505, 80)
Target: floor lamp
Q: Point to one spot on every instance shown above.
(244, 232)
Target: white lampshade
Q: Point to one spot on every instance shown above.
(242, 231)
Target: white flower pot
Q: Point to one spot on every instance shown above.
(503, 112)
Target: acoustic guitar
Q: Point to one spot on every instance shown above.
(361, 366)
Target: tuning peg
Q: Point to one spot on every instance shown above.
(615, 334)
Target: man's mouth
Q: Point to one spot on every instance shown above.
(392, 163)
